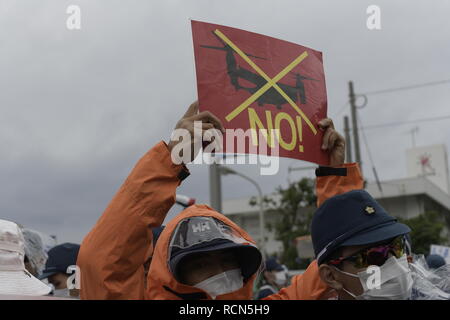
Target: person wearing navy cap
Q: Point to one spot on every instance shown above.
(435, 261)
(275, 278)
(361, 250)
(59, 259)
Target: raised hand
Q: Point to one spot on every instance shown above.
(194, 137)
(332, 142)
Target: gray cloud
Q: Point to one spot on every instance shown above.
(78, 108)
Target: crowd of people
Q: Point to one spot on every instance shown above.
(201, 254)
(32, 266)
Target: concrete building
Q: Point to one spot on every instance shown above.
(246, 216)
(404, 198)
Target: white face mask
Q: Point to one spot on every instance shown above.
(395, 283)
(222, 283)
(280, 278)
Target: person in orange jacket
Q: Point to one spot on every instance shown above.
(200, 254)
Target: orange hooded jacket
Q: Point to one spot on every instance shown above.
(112, 256)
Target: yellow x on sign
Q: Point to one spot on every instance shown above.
(270, 82)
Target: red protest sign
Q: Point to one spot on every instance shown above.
(252, 81)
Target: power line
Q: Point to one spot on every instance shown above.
(391, 124)
(341, 109)
(365, 140)
(414, 86)
(375, 174)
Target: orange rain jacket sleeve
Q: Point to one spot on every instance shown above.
(330, 182)
(112, 255)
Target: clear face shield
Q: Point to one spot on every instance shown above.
(197, 235)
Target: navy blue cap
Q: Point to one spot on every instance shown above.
(435, 261)
(350, 219)
(273, 265)
(59, 258)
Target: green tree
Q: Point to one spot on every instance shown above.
(293, 208)
(426, 229)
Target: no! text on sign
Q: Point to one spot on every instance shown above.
(252, 81)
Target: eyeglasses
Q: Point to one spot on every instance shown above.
(376, 255)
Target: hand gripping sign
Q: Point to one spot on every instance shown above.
(275, 87)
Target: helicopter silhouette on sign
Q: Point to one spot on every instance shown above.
(271, 96)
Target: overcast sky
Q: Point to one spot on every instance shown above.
(79, 108)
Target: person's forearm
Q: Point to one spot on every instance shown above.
(332, 181)
(112, 255)
(307, 286)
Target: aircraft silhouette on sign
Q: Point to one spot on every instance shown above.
(271, 96)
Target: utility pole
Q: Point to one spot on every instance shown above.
(413, 132)
(354, 123)
(348, 141)
(215, 187)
